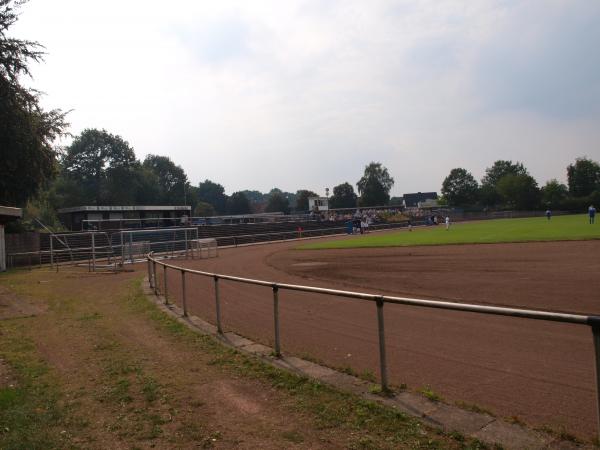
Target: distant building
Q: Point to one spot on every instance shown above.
(318, 204)
(413, 200)
(6, 215)
(104, 217)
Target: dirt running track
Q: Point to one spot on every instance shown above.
(540, 372)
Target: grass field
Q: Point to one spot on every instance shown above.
(572, 227)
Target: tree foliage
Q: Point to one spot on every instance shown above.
(278, 203)
(238, 203)
(460, 188)
(214, 194)
(203, 209)
(101, 164)
(554, 193)
(519, 191)
(27, 131)
(302, 197)
(583, 177)
(343, 196)
(171, 178)
(375, 185)
(489, 194)
(500, 169)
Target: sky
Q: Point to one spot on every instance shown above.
(304, 94)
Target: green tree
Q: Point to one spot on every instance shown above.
(290, 196)
(302, 197)
(500, 169)
(375, 185)
(278, 203)
(519, 191)
(489, 194)
(97, 161)
(27, 131)
(583, 177)
(172, 179)
(343, 196)
(554, 193)
(238, 203)
(460, 188)
(203, 209)
(213, 193)
(257, 199)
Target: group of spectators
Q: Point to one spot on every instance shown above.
(372, 215)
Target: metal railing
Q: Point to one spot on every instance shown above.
(380, 300)
(114, 246)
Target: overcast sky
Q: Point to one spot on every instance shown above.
(303, 94)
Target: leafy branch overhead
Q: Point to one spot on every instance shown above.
(27, 131)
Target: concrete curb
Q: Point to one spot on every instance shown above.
(484, 427)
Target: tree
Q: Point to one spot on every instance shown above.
(553, 193)
(254, 196)
(203, 209)
(95, 160)
(488, 193)
(278, 203)
(27, 131)
(375, 185)
(500, 169)
(583, 177)
(238, 203)
(519, 191)
(290, 196)
(343, 196)
(172, 179)
(302, 197)
(460, 188)
(213, 193)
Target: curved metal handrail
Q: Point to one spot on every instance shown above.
(578, 319)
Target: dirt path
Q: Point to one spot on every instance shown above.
(541, 373)
(133, 384)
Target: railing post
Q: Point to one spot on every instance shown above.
(186, 244)
(165, 284)
(51, 253)
(149, 273)
(276, 320)
(93, 252)
(596, 334)
(218, 305)
(382, 358)
(154, 285)
(183, 294)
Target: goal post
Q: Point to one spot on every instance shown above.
(136, 244)
(203, 248)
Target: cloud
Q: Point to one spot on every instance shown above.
(543, 58)
(303, 94)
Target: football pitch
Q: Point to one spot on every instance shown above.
(559, 228)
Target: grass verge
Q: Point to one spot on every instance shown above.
(370, 424)
(31, 412)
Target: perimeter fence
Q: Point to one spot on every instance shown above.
(100, 249)
(166, 279)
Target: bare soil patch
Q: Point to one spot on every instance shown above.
(12, 306)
